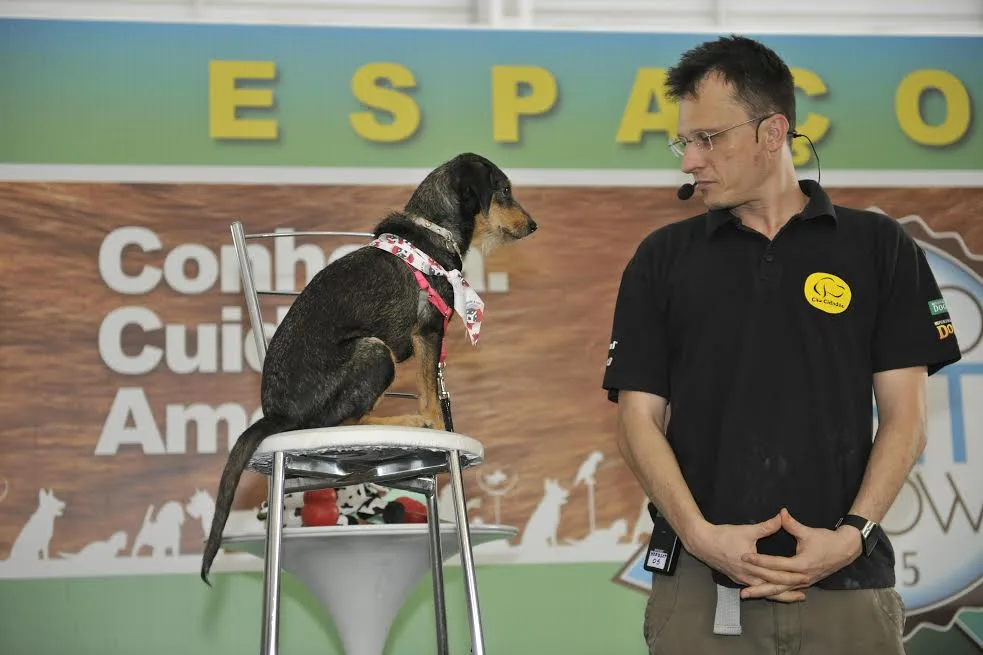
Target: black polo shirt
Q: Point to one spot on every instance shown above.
(766, 352)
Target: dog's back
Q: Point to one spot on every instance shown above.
(367, 293)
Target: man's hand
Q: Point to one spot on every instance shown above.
(818, 553)
(722, 547)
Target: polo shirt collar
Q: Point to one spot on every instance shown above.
(819, 205)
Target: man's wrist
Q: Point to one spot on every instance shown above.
(691, 533)
(853, 541)
(867, 530)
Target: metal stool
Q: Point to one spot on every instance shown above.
(399, 457)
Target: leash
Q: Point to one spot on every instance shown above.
(445, 399)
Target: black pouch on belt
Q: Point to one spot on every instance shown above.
(664, 546)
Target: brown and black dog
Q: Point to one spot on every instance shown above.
(335, 352)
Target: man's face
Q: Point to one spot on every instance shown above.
(735, 166)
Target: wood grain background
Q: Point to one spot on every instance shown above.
(531, 391)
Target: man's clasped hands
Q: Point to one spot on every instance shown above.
(732, 550)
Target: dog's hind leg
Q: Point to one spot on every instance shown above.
(426, 351)
(364, 377)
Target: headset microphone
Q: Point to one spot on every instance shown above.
(686, 191)
(819, 170)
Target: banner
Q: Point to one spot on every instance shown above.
(128, 368)
(127, 363)
(376, 99)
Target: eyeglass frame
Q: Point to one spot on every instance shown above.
(678, 145)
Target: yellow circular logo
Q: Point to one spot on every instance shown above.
(827, 292)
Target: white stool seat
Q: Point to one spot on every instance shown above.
(368, 445)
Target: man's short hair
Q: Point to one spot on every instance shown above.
(762, 82)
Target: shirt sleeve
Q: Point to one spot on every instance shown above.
(638, 351)
(913, 326)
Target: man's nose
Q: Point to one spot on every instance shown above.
(693, 159)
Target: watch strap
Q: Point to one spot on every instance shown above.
(867, 528)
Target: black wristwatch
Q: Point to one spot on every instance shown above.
(868, 531)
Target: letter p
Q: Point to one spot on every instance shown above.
(508, 105)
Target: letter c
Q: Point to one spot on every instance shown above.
(111, 260)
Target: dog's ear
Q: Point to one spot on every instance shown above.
(473, 189)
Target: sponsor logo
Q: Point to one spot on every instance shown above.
(611, 347)
(936, 307)
(944, 328)
(827, 292)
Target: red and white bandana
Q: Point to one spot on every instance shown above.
(467, 304)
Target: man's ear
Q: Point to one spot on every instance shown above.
(777, 131)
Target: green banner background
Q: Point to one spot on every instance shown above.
(146, 93)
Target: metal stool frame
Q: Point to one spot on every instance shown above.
(414, 470)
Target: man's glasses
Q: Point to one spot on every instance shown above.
(703, 140)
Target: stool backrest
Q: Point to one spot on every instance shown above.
(249, 290)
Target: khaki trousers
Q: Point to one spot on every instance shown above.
(680, 611)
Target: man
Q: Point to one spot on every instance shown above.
(766, 322)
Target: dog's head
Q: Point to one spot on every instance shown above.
(472, 197)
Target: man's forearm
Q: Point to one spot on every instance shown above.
(896, 449)
(647, 453)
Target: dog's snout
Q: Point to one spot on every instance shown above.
(532, 226)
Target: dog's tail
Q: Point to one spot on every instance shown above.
(239, 456)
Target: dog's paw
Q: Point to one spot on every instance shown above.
(433, 424)
(419, 421)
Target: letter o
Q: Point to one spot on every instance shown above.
(205, 260)
(895, 526)
(907, 107)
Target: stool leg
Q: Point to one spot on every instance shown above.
(437, 567)
(467, 556)
(274, 543)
